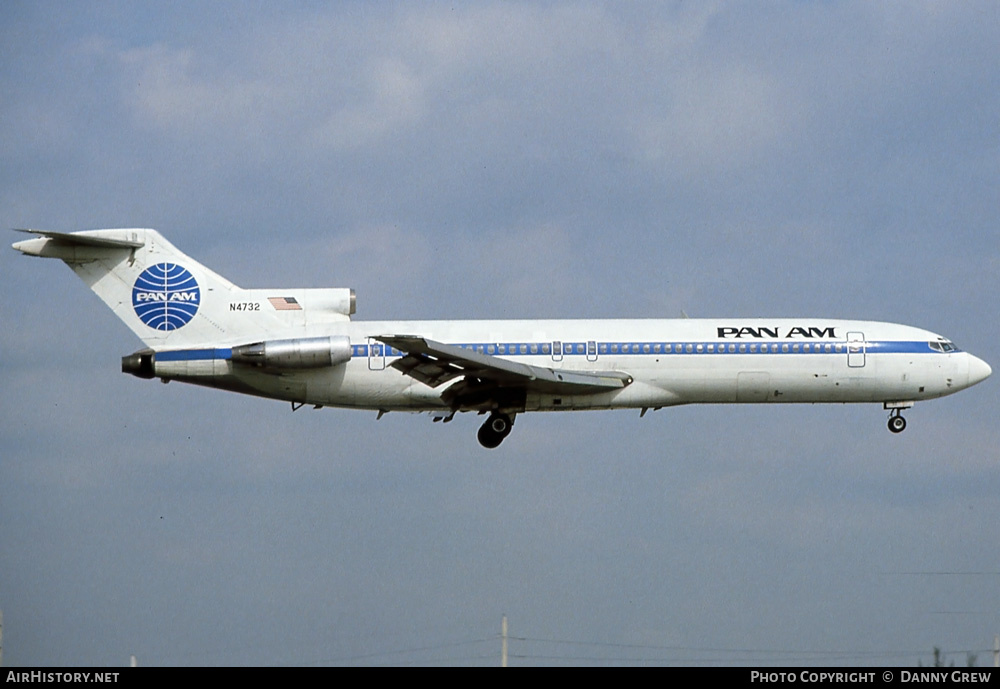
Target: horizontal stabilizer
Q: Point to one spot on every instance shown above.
(104, 239)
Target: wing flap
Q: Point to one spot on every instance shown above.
(428, 371)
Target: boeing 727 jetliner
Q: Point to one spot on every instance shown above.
(301, 346)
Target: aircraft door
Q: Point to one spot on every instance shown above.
(591, 350)
(855, 350)
(753, 386)
(376, 355)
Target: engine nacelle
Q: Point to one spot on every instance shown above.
(307, 352)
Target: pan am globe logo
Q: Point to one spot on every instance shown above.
(166, 296)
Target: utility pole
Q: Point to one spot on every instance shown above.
(503, 641)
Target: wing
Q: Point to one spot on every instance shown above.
(435, 363)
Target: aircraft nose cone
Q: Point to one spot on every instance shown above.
(979, 370)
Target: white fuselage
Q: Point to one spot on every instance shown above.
(671, 362)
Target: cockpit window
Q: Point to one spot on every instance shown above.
(942, 346)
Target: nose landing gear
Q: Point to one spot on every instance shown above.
(496, 428)
(896, 422)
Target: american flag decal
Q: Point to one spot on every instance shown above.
(285, 303)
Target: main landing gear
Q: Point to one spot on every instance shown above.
(897, 424)
(496, 428)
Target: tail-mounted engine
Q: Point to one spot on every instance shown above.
(308, 352)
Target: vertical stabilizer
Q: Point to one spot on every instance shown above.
(167, 298)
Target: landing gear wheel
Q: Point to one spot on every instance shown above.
(897, 423)
(487, 438)
(496, 428)
(500, 424)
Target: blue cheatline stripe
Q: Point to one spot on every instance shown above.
(194, 355)
(673, 348)
(613, 349)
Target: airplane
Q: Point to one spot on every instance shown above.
(301, 346)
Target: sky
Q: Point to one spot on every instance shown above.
(501, 160)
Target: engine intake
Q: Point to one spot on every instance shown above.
(307, 352)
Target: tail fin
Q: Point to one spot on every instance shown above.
(170, 300)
